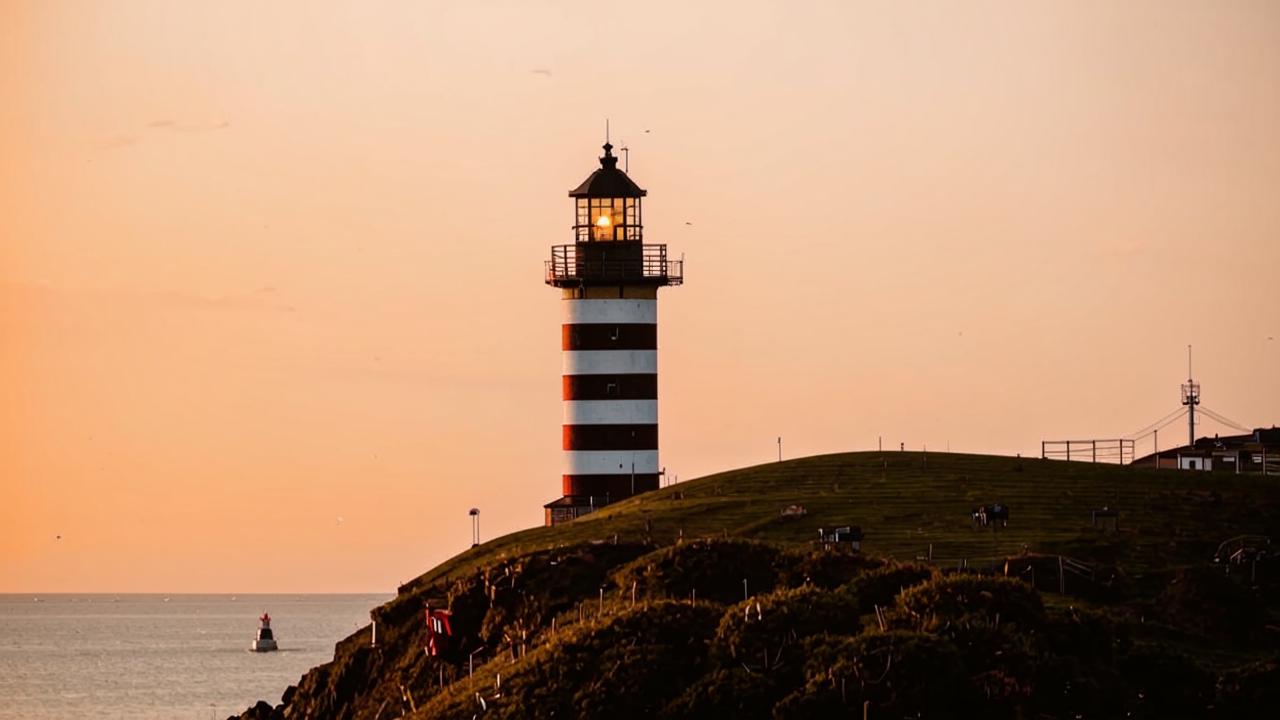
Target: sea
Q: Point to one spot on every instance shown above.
(177, 657)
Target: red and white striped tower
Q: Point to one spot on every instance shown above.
(609, 280)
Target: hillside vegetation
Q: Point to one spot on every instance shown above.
(702, 600)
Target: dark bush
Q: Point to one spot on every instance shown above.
(714, 568)
(733, 694)
(1250, 691)
(526, 592)
(1162, 683)
(1089, 636)
(620, 667)
(824, 567)
(973, 599)
(765, 625)
(1076, 676)
(881, 585)
(900, 674)
(1203, 600)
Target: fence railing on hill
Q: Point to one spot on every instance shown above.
(1119, 450)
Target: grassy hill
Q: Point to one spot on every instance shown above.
(596, 617)
(906, 501)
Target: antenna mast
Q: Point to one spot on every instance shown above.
(1190, 398)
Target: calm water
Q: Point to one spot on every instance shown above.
(138, 656)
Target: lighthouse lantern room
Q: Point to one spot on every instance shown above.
(608, 279)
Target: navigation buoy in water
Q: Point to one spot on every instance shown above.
(266, 641)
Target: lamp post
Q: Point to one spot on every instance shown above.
(475, 527)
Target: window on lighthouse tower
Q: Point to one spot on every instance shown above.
(608, 219)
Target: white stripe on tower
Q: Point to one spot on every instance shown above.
(609, 462)
(611, 412)
(610, 362)
(610, 311)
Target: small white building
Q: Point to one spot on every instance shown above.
(1195, 461)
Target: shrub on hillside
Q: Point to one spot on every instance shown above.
(1205, 601)
(732, 694)
(823, 567)
(899, 673)
(1250, 691)
(763, 626)
(1090, 636)
(1163, 683)
(526, 592)
(620, 667)
(1000, 663)
(1075, 674)
(714, 568)
(881, 585)
(972, 599)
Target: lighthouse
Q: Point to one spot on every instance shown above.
(608, 278)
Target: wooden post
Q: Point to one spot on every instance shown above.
(1062, 580)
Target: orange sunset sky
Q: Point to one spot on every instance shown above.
(272, 315)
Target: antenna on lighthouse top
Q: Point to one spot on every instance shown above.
(606, 129)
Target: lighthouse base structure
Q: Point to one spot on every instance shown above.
(610, 389)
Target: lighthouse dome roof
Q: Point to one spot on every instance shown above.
(608, 181)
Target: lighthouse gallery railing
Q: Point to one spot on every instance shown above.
(621, 262)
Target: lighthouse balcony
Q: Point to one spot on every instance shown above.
(612, 263)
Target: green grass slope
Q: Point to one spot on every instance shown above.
(906, 501)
